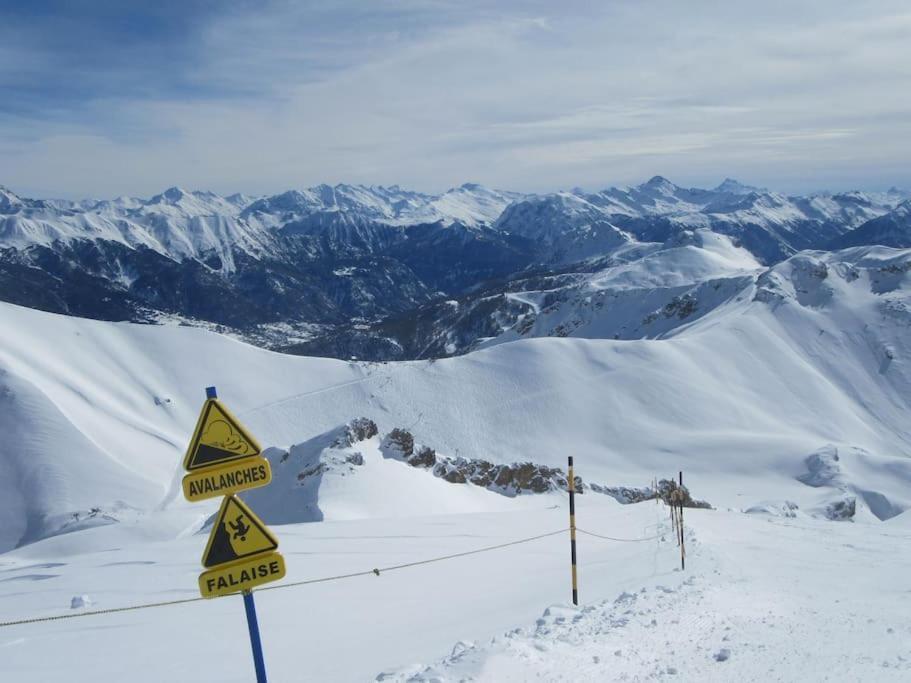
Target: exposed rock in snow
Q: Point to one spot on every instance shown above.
(843, 509)
(785, 508)
(822, 467)
(359, 429)
(723, 655)
(79, 601)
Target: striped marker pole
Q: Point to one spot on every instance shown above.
(572, 529)
(680, 524)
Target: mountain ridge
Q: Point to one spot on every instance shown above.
(312, 263)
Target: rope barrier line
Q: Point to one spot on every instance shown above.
(622, 540)
(374, 572)
(378, 571)
(338, 577)
(111, 610)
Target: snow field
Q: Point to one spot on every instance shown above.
(787, 599)
(346, 630)
(761, 601)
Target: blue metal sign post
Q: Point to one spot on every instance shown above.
(255, 642)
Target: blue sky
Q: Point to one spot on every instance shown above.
(112, 97)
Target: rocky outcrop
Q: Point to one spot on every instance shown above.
(669, 490)
(518, 478)
(359, 429)
(842, 510)
(511, 480)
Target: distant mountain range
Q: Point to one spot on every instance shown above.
(384, 272)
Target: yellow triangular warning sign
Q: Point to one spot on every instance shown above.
(218, 438)
(236, 534)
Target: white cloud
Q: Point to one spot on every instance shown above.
(788, 95)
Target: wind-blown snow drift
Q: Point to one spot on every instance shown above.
(811, 353)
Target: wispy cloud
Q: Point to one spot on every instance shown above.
(525, 95)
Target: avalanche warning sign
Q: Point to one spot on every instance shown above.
(219, 438)
(249, 473)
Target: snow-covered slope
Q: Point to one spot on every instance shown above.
(335, 477)
(810, 356)
(646, 292)
(638, 290)
(785, 601)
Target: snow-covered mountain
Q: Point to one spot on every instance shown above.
(315, 266)
(751, 376)
(892, 229)
(470, 204)
(183, 224)
(318, 256)
(771, 225)
(175, 223)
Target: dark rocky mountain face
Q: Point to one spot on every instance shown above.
(327, 274)
(384, 273)
(891, 230)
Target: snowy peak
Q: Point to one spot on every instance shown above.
(9, 201)
(196, 203)
(658, 184)
(239, 199)
(903, 210)
(292, 201)
(470, 204)
(170, 196)
(574, 227)
(731, 186)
